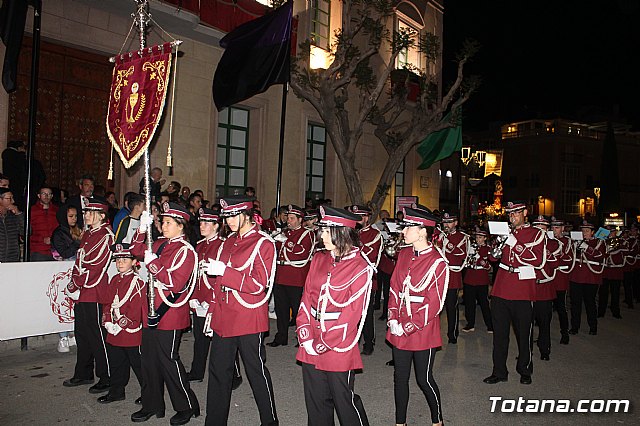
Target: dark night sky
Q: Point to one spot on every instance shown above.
(550, 58)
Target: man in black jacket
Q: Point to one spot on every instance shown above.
(11, 227)
(86, 185)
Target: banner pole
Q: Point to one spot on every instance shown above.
(283, 113)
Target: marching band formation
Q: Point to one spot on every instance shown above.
(323, 271)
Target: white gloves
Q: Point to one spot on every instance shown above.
(160, 286)
(112, 328)
(193, 304)
(471, 251)
(511, 241)
(308, 346)
(72, 295)
(215, 267)
(149, 257)
(146, 219)
(280, 238)
(583, 245)
(200, 308)
(395, 328)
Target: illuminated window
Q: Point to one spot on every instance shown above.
(231, 157)
(320, 29)
(409, 57)
(316, 159)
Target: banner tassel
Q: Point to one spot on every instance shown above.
(169, 159)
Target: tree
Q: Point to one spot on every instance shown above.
(354, 90)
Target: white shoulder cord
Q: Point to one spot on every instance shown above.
(117, 304)
(375, 240)
(465, 239)
(425, 281)
(325, 297)
(192, 278)
(588, 262)
(540, 239)
(299, 263)
(103, 245)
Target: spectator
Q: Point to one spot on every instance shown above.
(123, 212)
(164, 197)
(100, 191)
(14, 166)
(194, 205)
(43, 223)
(112, 201)
(174, 191)
(250, 191)
(4, 181)
(185, 192)
(11, 227)
(86, 185)
(127, 226)
(156, 229)
(60, 196)
(155, 182)
(399, 216)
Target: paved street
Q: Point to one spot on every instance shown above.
(591, 367)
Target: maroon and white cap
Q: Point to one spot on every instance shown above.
(360, 210)
(234, 205)
(208, 215)
(418, 216)
(448, 217)
(556, 222)
(481, 232)
(334, 216)
(96, 205)
(296, 210)
(121, 250)
(175, 210)
(540, 220)
(587, 224)
(515, 206)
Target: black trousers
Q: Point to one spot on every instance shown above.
(369, 329)
(479, 294)
(221, 370)
(560, 306)
(504, 314)
(583, 293)
(161, 365)
(201, 345)
(451, 306)
(607, 286)
(91, 339)
(423, 364)
(636, 285)
(326, 391)
(384, 285)
(123, 360)
(285, 297)
(543, 311)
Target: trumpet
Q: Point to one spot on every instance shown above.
(474, 252)
(392, 244)
(614, 244)
(498, 245)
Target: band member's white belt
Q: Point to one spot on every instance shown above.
(477, 267)
(590, 262)
(328, 316)
(294, 263)
(456, 268)
(544, 280)
(509, 268)
(563, 267)
(413, 299)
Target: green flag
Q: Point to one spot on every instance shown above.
(439, 145)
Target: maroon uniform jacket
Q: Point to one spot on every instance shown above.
(632, 251)
(207, 249)
(589, 262)
(454, 247)
(545, 288)
(127, 308)
(417, 294)
(527, 251)
(565, 258)
(294, 256)
(371, 239)
(270, 225)
(478, 273)
(332, 309)
(614, 262)
(240, 296)
(175, 269)
(89, 272)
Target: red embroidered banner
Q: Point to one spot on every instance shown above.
(138, 92)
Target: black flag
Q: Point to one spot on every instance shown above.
(257, 55)
(12, 17)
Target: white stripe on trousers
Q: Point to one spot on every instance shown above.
(104, 345)
(266, 382)
(431, 387)
(353, 397)
(530, 339)
(173, 344)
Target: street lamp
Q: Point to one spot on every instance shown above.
(468, 157)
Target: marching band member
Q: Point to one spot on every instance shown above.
(612, 275)
(173, 264)
(545, 289)
(207, 249)
(418, 290)
(122, 318)
(330, 320)
(371, 240)
(632, 266)
(513, 294)
(476, 283)
(88, 286)
(585, 279)
(238, 315)
(455, 245)
(565, 259)
(294, 246)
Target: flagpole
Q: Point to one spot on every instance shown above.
(283, 113)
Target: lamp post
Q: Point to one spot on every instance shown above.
(468, 158)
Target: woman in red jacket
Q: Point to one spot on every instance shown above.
(418, 290)
(330, 320)
(173, 265)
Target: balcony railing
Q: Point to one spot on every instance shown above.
(561, 129)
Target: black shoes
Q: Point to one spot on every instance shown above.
(106, 399)
(367, 350)
(468, 328)
(390, 363)
(99, 387)
(292, 323)
(453, 341)
(192, 378)
(138, 401)
(237, 381)
(275, 344)
(143, 416)
(544, 357)
(593, 332)
(69, 383)
(564, 340)
(525, 380)
(573, 331)
(183, 417)
(493, 379)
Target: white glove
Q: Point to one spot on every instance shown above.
(280, 238)
(146, 219)
(72, 295)
(511, 241)
(194, 304)
(471, 251)
(205, 305)
(149, 257)
(395, 328)
(112, 328)
(201, 311)
(215, 267)
(107, 326)
(160, 286)
(308, 346)
(583, 245)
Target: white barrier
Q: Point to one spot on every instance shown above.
(32, 303)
